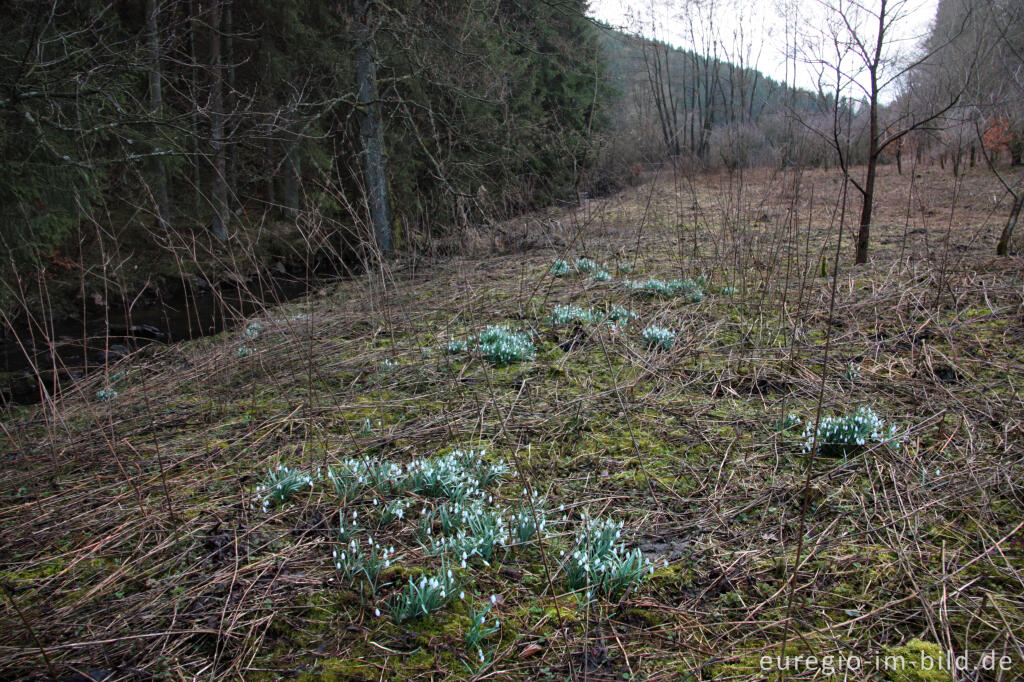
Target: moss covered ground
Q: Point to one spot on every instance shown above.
(135, 544)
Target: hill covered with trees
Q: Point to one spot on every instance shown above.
(189, 119)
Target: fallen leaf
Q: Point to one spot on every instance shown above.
(530, 650)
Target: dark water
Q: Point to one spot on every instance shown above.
(72, 347)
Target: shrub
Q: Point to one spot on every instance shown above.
(839, 436)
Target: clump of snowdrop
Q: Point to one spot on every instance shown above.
(455, 515)
(501, 346)
(618, 314)
(280, 485)
(354, 562)
(658, 338)
(458, 475)
(573, 314)
(601, 276)
(559, 268)
(479, 629)
(346, 531)
(839, 436)
(456, 346)
(105, 395)
(790, 421)
(528, 521)
(851, 374)
(600, 563)
(656, 288)
(348, 485)
(585, 266)
(351, 477)
(424, 595)
(470, 536)
(394, 511)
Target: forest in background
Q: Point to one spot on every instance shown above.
(198, 138)
(181, 120)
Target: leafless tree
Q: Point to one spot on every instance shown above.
(857, 49)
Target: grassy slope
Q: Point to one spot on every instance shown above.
(131, 544)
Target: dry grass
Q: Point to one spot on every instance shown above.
(132, 551)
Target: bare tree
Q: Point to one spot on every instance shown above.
(857, 53)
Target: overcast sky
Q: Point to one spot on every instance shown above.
(753, 28)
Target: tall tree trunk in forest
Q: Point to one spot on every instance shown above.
(196, 135)
(156, 105)
(292, 168)
(218, 180)
(370, 129)
(229, 60)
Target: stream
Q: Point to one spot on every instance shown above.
(82, 344)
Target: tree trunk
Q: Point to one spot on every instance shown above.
(156, 105)
(864, 235)
(196, 136)
(1003, 247)
(218, 181)
(229, 58)
(292, 179)
(371, 131)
